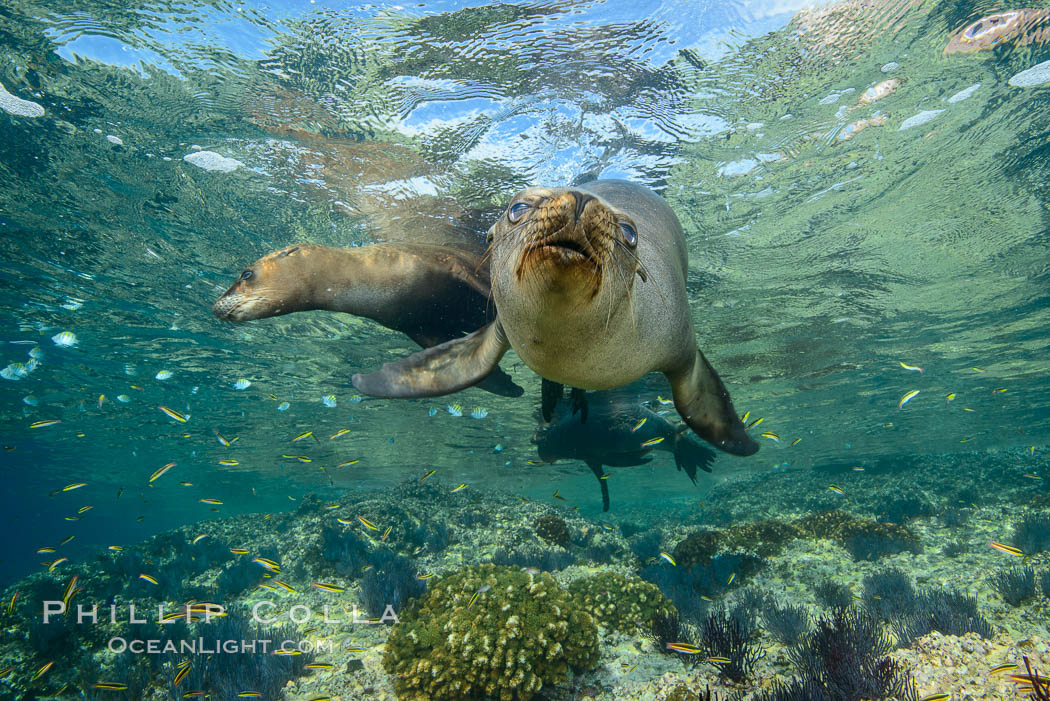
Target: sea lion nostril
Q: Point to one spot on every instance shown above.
(582, 198)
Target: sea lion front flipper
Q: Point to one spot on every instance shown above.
(596, 468)
(689, 455)
(704, 404)
(443, 369)
(578, 400)
(551, 393)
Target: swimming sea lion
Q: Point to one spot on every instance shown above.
(620, 433)
(429, 293)
(589, 286)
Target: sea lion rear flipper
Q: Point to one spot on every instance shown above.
(443, 369)
(689, 455)
(704, 404)
(499, 382)
(578, 399)
(596, 468)
(551, 393)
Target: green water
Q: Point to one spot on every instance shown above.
(818, 263)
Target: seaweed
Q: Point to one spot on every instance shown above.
(1044, 582)
(833, 595)
(901, 509)
(530, 555)
(947, 612)
(346, 549)
(847, 656)
(889, 594)
(786, 622)
(247, 661)
(666, 628)
(1015, 584)
(721, 635)
(390, 582)
(873, 545)
(1032, 534)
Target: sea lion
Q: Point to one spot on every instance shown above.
(429, 293)
(620, 433)
(589, 288)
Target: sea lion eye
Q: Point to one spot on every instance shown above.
(517, 211)
(247, 275)
(629, 234)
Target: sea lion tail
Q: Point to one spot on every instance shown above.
(704, 404)
(443, 369)
(689, 455)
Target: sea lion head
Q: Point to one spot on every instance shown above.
(563, 241)
(278, 283)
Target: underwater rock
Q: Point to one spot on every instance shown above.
(919, 119)
(1021, 27)
(489, 631)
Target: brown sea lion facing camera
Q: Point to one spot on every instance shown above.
(589, 288)
(429, 293)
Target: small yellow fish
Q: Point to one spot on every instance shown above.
(666, 557)
(110, 686)
(1031, 476)
(210, 501)
(1008, 549)
(81, 510)
(948, 398)
(43, 551)
(684, 648)
(219, 437)
(559, 496)
(639, 424)
(249, 695)
(301, 436)
(367, 524)
(857, 468)
(334, 588)
(732, 578)
(772, 436)
(386, 534)
(967, 439)
(340, 432)
(115, 548)
(284, 585)
(319, 665)
(838, 490)
(907, 398)
(239, 551)
(267, 564)
(534, 462)
(55, 563)
(43, 670)
(754, 423)
(148, 578)
(71, 487)
(160, 471)
(653, 441)
(180, 675)
(174, 414)
(348, 463)
(663, 401)
(937, 697)
(745, 417)
(185, 484)
(430, 473)
(978, 369)
(42, 424)
(424, 577)
(913, 368)
(1009, 666)
(459, 487)
(229, 463)
(719, 660)
(998, 390)
(795, 442)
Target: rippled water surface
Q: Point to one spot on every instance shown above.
(838, 226)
